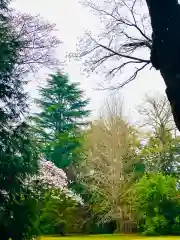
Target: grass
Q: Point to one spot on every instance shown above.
(111, 237)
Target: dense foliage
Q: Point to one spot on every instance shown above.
(157, 205)
(18, 150)
(58, 213)
(60, 121)
(61, 175)
(57, 206)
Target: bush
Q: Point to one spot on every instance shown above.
(58, 213)
(156, 205)
(19, 222)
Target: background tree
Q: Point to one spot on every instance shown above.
(156, 204)
(110, 163)
(156, 115)
(161, 151)
(60, 121)
(49, 177)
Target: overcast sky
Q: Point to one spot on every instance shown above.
(72, 20)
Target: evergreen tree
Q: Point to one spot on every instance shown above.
(59, 124)
(18, 152)
(18, 156)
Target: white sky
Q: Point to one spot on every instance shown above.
(71, 20)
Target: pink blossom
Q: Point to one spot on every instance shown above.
(49, 176)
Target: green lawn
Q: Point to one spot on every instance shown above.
(110, 237)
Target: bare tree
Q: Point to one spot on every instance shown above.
(37, 40)
(161, 151)
(27, 44)
(116, 49)
(156, 113)
(111, 145)
(127, 30)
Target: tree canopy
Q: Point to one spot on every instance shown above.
(61, 118)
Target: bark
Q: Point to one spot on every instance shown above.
(165, 52)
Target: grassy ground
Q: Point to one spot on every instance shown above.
(110, 237)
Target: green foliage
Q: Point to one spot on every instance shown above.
(161, 155)
(57, 212)
(58, 125)
(18, 158)
(18, 154)
(19, 45)
(22, 216)
(156, 204)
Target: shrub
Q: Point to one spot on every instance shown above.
(156, 204)
(58, 213)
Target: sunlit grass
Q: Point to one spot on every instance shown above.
(111, 237)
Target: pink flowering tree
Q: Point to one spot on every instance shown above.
(50, 177)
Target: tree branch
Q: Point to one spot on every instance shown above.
(117, 46)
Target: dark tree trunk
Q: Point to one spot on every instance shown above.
(165, 52)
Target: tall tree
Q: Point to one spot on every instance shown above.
(20, 48)
(111, 161)
(61, 118)
(125, 42)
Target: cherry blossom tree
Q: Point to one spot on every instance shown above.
(50, 177)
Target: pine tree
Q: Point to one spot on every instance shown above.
(18, 156)
(18, 152)
(59, 124)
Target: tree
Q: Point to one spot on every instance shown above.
(4, 3)
(61, 119)
(156, 113)
(156, 204)
(125, 35)
(126, 39)
(161, 157)
(18, 158)
(57, 206)
(51, 178)
(27, 44)
(165, 48)
(111, 161)
(161, 151)
(22, 40)
(58, 213)
(21, 222)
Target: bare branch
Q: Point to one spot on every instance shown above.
(157, 113)
(38, 42)
(131, 78)
(112, 144)
(123, 55)
(117, 49)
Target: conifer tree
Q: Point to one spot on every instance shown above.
(60, 121)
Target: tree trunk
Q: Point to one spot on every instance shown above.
(118, 226)
(165, 51)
